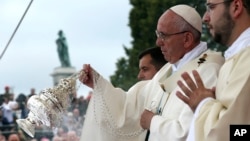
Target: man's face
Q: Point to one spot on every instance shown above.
(218, 21)
(172, 46)
(7, 89)
(147, 69)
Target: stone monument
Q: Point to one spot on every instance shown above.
(65, 70)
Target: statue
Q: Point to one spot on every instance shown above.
(62, 49)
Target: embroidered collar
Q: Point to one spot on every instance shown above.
(195, 52)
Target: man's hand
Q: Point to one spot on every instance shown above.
(87, 77)
(146, 118)
(194, 92)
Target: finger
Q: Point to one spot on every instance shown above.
(86, 68)
(182, 97)
(148, 109)
(213, 93)
(184, 88)
(198, 79)
(142, 122)
(82, 74)
(82, 78)
(214, 89)
(189, 81)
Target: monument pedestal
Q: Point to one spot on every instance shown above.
(62, 72)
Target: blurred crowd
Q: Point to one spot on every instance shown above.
(13, 108)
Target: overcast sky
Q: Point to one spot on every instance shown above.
(95, 31)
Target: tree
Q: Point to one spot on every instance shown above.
(142, 21)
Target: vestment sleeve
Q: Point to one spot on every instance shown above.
(115, 112)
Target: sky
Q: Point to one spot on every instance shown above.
(96, 31)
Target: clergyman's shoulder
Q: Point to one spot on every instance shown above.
(214, 56)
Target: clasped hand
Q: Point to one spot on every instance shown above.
(146, 118)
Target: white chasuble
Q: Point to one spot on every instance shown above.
(232, 102)
(173, 123)
(114, 115)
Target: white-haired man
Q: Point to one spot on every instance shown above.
(116, 115)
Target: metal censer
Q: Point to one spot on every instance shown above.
(47, 107)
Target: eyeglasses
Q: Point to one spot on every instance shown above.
(163, 36)
(211, 6)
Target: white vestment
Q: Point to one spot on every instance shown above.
(114, 115)
(231, 106)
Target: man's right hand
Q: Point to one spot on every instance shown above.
(86, 76)
(194, 91)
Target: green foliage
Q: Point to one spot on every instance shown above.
(143, 20)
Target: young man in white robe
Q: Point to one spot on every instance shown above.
(227, 103)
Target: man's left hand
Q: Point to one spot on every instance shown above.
(146, 118)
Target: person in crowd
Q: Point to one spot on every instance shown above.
(9, 106)
(6, 91)
(62, 131)
(90, 94)
(44, 139)
(21, 134)
(57, 138)
(14, 137)
(75, 121)
(2, 137)
(22, 105)
(83, 105)
(5, 94)
(1, 117)
(227, 103)
(114, 114)
(76, 115)
(74, 102)
(32, 92)
(150, 62)
(72, 136)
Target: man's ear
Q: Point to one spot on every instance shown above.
(188, 39)
(237, 8)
